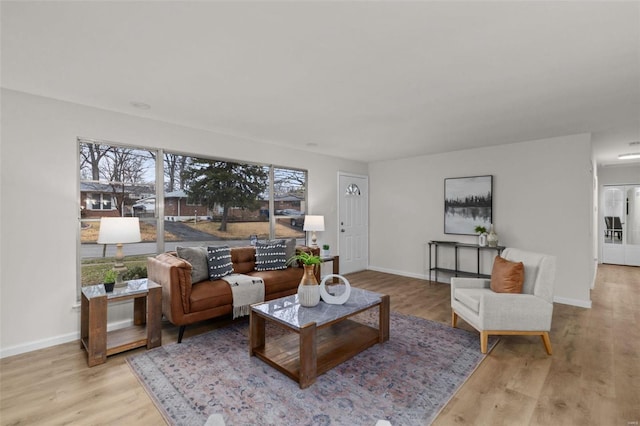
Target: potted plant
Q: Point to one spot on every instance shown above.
(305, 258)
(109, 280)
(482, 237)
(325, 250)
(308, 290)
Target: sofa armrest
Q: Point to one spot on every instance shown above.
(174, 275)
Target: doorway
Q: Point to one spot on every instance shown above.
(620, 222)
(353, 206)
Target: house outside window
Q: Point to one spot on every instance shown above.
(99, 201)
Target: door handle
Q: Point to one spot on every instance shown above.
(342, 230)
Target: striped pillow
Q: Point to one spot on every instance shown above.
(271, 255)
(219, 261)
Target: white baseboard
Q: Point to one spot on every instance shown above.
(57, 340)
(573, 302)
(401, 273)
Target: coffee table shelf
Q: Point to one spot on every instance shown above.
(334, 345)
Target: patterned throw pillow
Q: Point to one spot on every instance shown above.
(219, 261)
(197, 257)
(271, 255)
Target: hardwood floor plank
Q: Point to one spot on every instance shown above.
(591, 379)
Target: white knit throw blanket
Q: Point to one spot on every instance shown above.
(246, 291)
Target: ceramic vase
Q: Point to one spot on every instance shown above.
(492, 238)
(309, 290)
(482, 239)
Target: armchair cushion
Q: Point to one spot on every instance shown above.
(507, 276)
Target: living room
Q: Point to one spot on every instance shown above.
(545, 169)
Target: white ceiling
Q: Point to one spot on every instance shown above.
(361, 80)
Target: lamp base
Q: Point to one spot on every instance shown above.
(120, 270)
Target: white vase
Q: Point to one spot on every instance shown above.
(309, 290)
(308, 295)
(482, 239)
(492, 238)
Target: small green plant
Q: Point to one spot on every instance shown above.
(110, 276)
(325, 247)
(481, 230)
(305, 258)
(135, 273)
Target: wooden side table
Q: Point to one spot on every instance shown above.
(147, 316)
(336, 265)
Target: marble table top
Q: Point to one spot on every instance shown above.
(132, 287)
(287, 310)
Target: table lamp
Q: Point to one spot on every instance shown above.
(313, 223)
(119, 231)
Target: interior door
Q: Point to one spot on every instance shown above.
(353, 219)
(621, 224)
(632, 248)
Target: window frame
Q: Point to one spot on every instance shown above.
(159, 213)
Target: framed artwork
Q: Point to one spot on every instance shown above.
(468, 203)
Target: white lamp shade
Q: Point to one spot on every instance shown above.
(119, 230)
(313, 223)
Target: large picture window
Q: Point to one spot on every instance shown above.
(189, 201)
(113, 179)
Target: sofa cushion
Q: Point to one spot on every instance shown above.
(271, 256)
(219, 260)
(507, 276)
(209, 295)
(244, 259)
(197, 257)
(279, 280)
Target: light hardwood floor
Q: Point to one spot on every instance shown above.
(592, 378)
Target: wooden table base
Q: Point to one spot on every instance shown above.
(305, 354)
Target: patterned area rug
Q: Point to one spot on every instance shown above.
(406, 380)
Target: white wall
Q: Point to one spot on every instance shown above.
(619, 175)
(39, 209)
(542, 202)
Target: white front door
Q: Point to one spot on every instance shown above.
(353, 200)
(621, 224)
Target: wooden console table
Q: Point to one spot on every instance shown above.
(147, 316)
(456, 246)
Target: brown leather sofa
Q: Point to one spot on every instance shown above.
(184, 302)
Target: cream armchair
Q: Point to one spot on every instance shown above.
(490, 313)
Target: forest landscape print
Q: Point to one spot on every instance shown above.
(467, 204)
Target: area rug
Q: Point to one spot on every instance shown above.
(406, 381)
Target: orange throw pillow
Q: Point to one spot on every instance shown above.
(507, 277)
